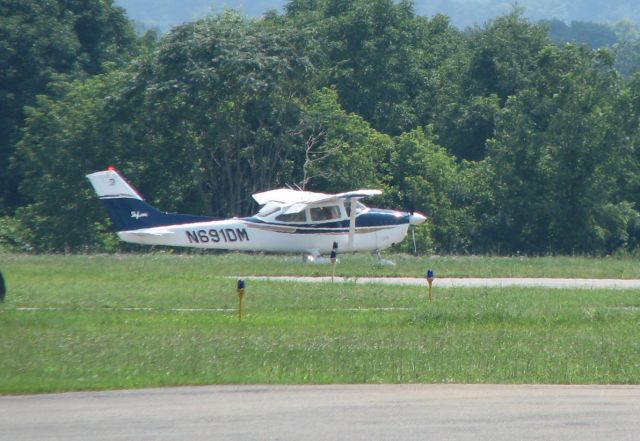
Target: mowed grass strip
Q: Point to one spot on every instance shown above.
(70, 327)
(49, 268)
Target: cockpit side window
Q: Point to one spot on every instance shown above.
(292, 217)
(319, 214)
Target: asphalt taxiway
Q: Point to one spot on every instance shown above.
(334, 412)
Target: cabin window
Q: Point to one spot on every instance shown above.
(324, 213)
(292, 217)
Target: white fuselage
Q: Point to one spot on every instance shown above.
(243, 234)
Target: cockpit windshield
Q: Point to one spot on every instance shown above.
(268, 210)
(359, 208)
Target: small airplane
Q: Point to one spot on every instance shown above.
(290, 221)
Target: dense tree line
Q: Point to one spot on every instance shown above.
(509, 142)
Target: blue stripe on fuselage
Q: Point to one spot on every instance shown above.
(372, 218)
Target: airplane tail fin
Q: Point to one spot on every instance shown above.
(127, 209)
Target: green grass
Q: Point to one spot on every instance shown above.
(105, 322)
(206, 266)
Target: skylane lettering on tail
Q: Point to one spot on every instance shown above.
(138, 215)
(289, 221)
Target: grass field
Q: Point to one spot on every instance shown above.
(106, 322)
(201, 266)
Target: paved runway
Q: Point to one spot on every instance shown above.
(335, 412)
(470, 282)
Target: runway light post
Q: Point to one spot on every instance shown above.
(430, 281)
(240, 289)
(334, 259)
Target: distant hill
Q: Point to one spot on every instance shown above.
(166, 13)
(469, 12)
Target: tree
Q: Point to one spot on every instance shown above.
(220, 101)
(504, 54)
(379, 57)
(40, 39)
(628, 56)
(201, 123)
(342, 150)
(496, 62)
(65, 139)
(426, 178)
(559, 154)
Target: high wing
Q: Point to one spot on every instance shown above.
(357, 194)
(287, 196)
(297, 200)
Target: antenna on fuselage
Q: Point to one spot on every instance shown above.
(294, 187)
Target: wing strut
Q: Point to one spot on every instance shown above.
(352, 222)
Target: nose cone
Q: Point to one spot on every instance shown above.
(417, 218)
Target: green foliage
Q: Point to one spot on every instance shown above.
(427, 179)
(39, 41)
(560, 155)
(342, 150)
(66, 139)
(382, 53)
(506, 141)
(496, 62)
(628, 56)
(12, 235)
(503, 55)
(228, 87)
